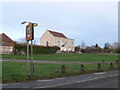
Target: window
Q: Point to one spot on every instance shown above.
(47, 44)
(3, 43)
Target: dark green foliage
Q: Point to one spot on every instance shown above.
(116, 50)
(45, 50)
(22, 48)
(96, 46)
(18, 48)
(83, 50)
(93, 50)
(77, 48)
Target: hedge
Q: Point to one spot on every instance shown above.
(22, 49)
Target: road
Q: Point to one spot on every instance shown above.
(108, 82)
(95, 80)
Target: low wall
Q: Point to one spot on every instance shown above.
(6, 49)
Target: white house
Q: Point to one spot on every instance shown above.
(52, 38)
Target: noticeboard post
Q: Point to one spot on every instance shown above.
(30, 32)
(30, 37)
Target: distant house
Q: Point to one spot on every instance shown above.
(6, 44)
(52, 38)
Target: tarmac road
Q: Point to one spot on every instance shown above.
(95, 80)
(108, 82)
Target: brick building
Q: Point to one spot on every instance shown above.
(6, 44)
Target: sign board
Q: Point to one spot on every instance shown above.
(29, 32)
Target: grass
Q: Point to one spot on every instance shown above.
(67, 57)
(18, 72)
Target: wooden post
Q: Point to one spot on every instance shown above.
(99, 66)
(62, 69)
(82, 68)
(111, 65)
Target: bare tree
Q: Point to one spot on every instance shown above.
(21, 41)
(83, 45)
(107, 46)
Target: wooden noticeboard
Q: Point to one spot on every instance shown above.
(29, 32)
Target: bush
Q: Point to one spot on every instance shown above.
(93, 50)
(22, 49)
(116, 50)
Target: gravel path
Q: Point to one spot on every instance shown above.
(44, 61)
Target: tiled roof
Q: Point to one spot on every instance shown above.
(6, 39)
(57, 34)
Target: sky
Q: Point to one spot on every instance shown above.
(89, 22)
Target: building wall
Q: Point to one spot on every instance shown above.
(47, 37)
(6, 41)
(6, 44)
(6, 49)
(57, 41)
(68, 44)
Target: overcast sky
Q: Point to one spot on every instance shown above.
(91, 22)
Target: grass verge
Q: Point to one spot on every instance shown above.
(18, 72)
(67, 57)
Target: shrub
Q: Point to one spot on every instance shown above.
(22, 48)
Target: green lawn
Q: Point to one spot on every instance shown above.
(17, 72)
(67, 57)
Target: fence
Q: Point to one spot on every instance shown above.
(19, 71)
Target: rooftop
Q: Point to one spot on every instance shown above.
(57, 34)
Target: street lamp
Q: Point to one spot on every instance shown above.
(27, 23)
(30, 37)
